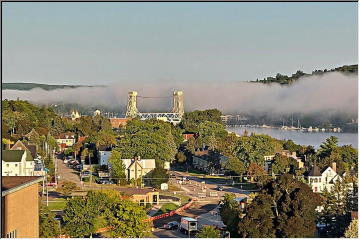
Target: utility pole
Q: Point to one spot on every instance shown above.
(47, 193)
(55, 166)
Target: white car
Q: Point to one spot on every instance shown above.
(66, 161)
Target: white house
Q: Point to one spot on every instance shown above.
(67, 138)
(319, 180)
(104, 154)
(137, 167)
(17, 163)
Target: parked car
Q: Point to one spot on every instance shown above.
(171, 225)
(66, 161)
(103, 181)
(86, 173)
(58, 217)
(220, 188)
(78, 167)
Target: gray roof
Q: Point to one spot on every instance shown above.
(315, 171)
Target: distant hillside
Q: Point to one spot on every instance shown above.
(286, 80)
(29, 86)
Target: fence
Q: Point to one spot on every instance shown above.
(171, 213)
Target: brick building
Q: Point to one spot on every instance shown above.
(20, 207)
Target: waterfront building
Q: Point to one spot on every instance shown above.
(20, 207)
(319, 180)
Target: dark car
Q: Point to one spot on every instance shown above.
(86, 173)
(171, 225)
(78, 167)
(104, 181)
(220, 188)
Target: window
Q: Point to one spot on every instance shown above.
(15, 165)
(319, 179)
(11, 234)
(316, 180)
(315, 189)
(7, 165)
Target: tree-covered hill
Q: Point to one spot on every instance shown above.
(29, 86)
(287, 80)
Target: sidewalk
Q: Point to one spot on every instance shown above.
(154, 210)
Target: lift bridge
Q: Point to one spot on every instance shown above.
(174, 116)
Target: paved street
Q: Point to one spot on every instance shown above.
(67, 173)
(194, 187)
(211, 218)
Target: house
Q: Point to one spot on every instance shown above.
(20, 207)
(118, 122)
(142, 196)
(209, 161)
(269, 159)
(187, 136)
(104, 153)
(17, 163)
(32, 135)
(319, 180)
(67, 138)
(75, 115)
(137, 168)
(19, 145)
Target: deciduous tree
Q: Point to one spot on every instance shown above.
(48, 226)
(208, 232)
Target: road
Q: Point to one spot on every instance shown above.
(194, 187)
(67, 173)
(205, 209)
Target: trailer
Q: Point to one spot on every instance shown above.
(188, 225)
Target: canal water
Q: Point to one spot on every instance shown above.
(302, 138)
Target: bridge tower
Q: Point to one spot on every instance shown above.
(132, 110)
(178, 103)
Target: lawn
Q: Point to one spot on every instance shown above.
(167, 207)
(57, 204)
(184, 199)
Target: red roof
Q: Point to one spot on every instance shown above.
(116, 122)
(80, 139)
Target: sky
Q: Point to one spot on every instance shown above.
(151, 43)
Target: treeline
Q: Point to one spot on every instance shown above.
(29, 86)
(287, 80)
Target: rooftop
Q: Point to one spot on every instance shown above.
(12, 155)
(135, 191)
(12, 184)
(315, 171)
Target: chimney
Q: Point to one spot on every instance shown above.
(333, 166)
